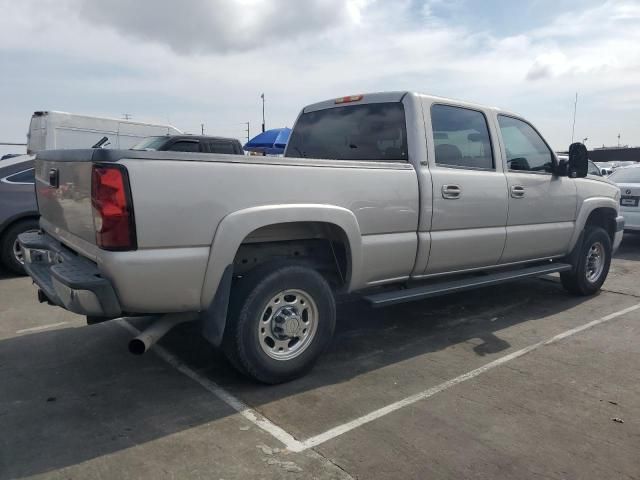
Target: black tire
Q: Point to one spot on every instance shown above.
(7, 256)
(577, 280)
(251, 295)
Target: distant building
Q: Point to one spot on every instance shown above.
(615, 154)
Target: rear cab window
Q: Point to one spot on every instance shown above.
(374, 131)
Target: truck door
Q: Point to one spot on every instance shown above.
(542, 206)
(468, 227)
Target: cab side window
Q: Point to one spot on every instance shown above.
(526, 150)
(221, 147)
(24, 177)
(461, 138)
(185, 146)
(593, 169)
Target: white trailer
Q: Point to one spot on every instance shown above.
(53, 130)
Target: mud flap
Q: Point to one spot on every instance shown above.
(572, 258)
(214, 318)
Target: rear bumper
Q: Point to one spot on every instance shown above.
(68, 280)
(631, 220)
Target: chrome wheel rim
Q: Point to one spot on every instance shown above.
(595, 262)
(288, 324)
(18, 254)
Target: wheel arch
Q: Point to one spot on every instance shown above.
(599, 211)
(9, 222)
(239, 226)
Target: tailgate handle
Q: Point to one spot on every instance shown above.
(54, 178)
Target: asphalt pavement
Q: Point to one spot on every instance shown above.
(515, 381)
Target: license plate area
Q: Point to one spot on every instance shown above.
(629, 201)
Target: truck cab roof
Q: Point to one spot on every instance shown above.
(395, 96)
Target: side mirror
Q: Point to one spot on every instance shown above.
(578, 161)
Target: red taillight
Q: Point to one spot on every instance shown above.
(112, 208)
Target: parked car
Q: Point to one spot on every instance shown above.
(394, 196)
(606, 168)
(592, 167)
(628, 179)
(18, 209)
(620, 164)
(191, 143)
(60, 130)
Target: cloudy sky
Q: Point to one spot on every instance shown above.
(207, 61)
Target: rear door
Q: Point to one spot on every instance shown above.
(469, 190)
(542, 206)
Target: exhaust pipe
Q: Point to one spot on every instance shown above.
(154, 332)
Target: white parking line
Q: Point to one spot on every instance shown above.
(40, 328)
(344, 428)
(238, 405)
(294, 445)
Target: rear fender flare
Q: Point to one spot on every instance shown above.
(235, 227)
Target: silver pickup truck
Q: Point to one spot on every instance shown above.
(396, 196)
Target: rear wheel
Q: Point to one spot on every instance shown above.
(591, 263)
(11, 253)
(281, 318)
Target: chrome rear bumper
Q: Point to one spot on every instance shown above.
(67, 279)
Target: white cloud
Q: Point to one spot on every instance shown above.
(212, 26)
(191, 73)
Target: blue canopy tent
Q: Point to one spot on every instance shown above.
(271, 142)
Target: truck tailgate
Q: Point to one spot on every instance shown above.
(63, 190)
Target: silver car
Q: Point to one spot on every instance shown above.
(18, 208)
(628, 179)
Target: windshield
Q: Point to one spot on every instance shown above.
(375, 131)
(626, 175)
(150, 143)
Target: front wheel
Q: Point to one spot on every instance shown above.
(281, 318)
(591, 264)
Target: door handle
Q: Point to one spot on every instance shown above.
(517, 191)
(451, 192)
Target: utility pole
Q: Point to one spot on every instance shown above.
(248, 124)
(618, 140)
(575, 108)
(263, 123)
(202, 128)
(127, 116)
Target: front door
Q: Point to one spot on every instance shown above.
(542, 206)
(469, 191)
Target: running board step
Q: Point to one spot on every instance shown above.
(442, 288)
